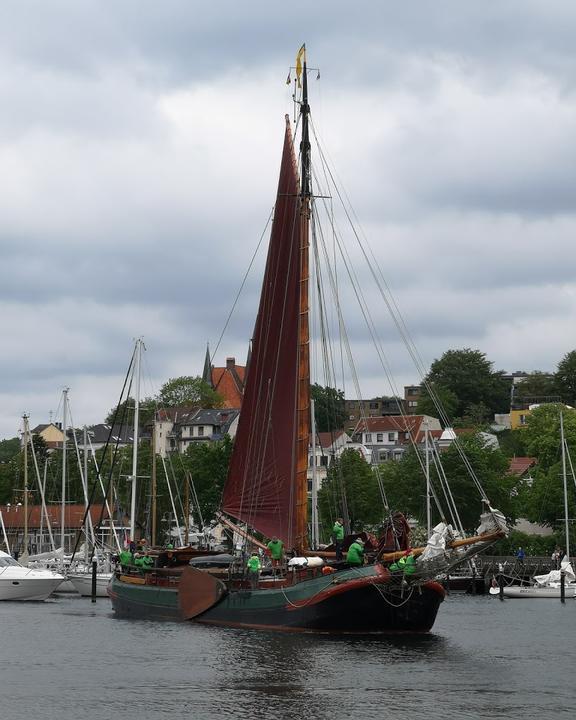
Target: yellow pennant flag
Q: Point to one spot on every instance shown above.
(300, 59)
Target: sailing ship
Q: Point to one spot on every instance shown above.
(266, 492)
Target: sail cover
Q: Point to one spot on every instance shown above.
(260, 486)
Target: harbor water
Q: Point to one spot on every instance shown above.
(70, 659)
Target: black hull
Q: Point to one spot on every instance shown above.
(353, 602)
(358, 601)
(356, 613)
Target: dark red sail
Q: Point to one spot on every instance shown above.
(261, 485)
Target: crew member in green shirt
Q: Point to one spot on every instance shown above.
(126, 559)
(276, 548)
(355, 555)
(254, 567)
(338, 538)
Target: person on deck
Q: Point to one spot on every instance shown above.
(126, 559)
(254, 566)
(355, 555)
(338, 538)
(520, 555)
(276, 549)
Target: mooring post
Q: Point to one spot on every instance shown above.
(501, 586)
(562, 586)
(94, 567)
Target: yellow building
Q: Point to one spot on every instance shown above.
(51, 434)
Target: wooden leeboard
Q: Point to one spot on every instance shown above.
(198, 591)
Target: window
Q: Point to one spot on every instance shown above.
(311, 461)
(352, 417)
(368, 438)
(324, 460)
(397, 455)
(522, 419)
(379, 437)
(200, 430)
(383, 456)
(374, 406)
(406, 436)
(391, 437)
(412, 403)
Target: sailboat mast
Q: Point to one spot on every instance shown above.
(135, 446)
(566, 521)
(63, 508)
(303, 399)
(24, 553)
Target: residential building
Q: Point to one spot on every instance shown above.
(389, 437)
(203, 426)
(412, 394)
(51, 433)
(100, 435)
(328, 447)
(376, 407)
(522, 408)
(227, 381)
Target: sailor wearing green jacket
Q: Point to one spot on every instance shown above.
(355, 555)
(254, 566)
(126, 559)
(338, 537)
(405, 564)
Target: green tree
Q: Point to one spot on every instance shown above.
(535, 385)
(448, 401)
(124, 413)
(545, 497)
(469, 375)
(476, 415)
(9, 448)
(329, 409)
(207, 464)
(405, 483)
(12, 472)
(352, 477)
(490, 466)
(541, 434)
(188, 391)
(565, 378)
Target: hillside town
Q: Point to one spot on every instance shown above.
(381, 432)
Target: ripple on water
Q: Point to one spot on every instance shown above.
(485, 658)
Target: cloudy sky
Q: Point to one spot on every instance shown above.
(139, 152)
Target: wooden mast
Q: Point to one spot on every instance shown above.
(303, 397)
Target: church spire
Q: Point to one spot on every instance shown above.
(207, 373)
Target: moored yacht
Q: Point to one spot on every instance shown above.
(21, 583)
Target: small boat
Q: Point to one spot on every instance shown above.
(82, 583)
(544, 586)
(21, 583)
